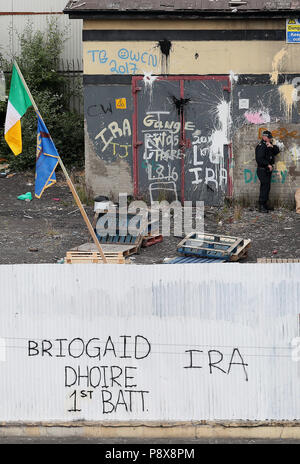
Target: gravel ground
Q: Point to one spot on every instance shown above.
(42, 231)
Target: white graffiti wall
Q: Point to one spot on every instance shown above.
(149, 343)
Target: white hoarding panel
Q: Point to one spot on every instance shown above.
(149, 343)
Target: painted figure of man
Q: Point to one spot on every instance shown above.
(265, 153)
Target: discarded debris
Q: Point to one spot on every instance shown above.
(101, 203)
(25, 196)
(75, 210)
(151, 240)
(297, 198)
(33, 250)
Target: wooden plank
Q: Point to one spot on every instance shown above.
(73, 257)
(108, 248)
(126, 250)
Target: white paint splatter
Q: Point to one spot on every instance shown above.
(233, 77)
(149, 80)
(219, 137)
(279, 144)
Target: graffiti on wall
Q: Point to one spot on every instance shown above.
(208, 151)
(123, 61)
(276, 105)
(171, 351)
(161, 150)
(106, 372)
(217, 175)
(114, 139)
(203, 154)
(277, 177)
(108, 380)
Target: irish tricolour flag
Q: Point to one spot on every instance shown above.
(18, 102)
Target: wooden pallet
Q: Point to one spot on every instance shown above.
(152, 234)
(210, 245)
(121, 240)
(241, 252)
(76, 257)
(122, 223)
(151, 240)
(124, 250)
(152, 228)
(277, 260)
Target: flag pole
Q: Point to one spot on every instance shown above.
(69, 182)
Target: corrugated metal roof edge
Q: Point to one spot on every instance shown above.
(192, 14)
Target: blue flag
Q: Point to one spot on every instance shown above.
(47, 160)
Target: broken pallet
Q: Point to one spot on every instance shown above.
(210, 245)
(193, 260)
(151, 240)
(241, 252)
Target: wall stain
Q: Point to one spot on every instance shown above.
(276, 63)
(165, 46)
(287, 99)
(180, 104)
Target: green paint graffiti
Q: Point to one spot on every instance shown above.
(278, 177)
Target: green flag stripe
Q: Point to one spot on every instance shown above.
(18, 96)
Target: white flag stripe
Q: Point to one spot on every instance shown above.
(12, 117)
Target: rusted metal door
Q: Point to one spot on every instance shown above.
(181, 141)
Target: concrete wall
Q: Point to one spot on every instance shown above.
(83, 343)
(264, 73)
(271, 106)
